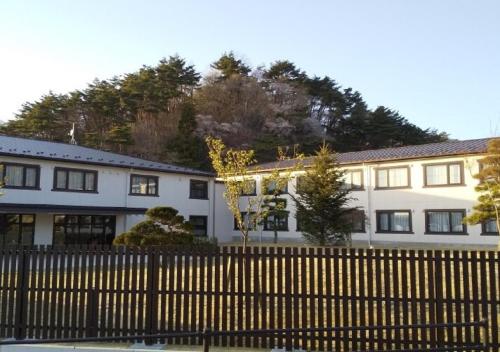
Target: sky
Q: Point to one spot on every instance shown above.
(436, 62)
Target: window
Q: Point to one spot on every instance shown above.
(396, 177)
(443, 174)
(199, 224)
(83, 229)
(357, 219)
(198, 189)
(75, 180)
(143, 185)
(353, 179)
(249, 188)
(269, 186)
(444, 221)
(20, 176)
(398, 221)
(276, 222)
(251, 225)
(489, 227)
(17, 229)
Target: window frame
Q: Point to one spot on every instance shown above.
(3, 172)
(447, 184)
(78, 225)
(267, 193)
(285, 229)
(205, 219)
(363, 221)
(388, 168)
(362, 186)
(243, 214)
(389, 211)
(464, 226)
(148, 177)
(67, 170)
(20, 224)
(254, 193)
(193, 181)
(484, 232)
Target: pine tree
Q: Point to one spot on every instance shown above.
(229, 65)
(488, 207)
(321, 201)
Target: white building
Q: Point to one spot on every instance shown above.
(56, 193)
(415, 194)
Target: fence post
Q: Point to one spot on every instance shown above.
(92, 312)
(207, 337)
(21, 295)
(151, 295)
(486, 341)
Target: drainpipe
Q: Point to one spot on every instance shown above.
(369, 205)
(213, 208)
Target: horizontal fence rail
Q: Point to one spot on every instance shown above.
(82, 292)
(207, 335)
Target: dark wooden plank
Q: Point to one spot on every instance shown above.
(422, 285)
(379, 294)
(224, 294)
(240, 296)
(431, 281)
(39, 293)
(134, 292)
(171, 293)
(113, 288)
(233, 311)
(68, 288)
(185, 288)
(485, 314)
(248, 295)
(388, 298)
(457, 279)
(396, 279)
(466, 294)
(353, 293)
(4, 291)
(179, 295)
(448, 296)
(104, 296)
(279, 294)
(60, 293)
(312, 297)
(475, 280)
(362, 296)
(303, 292)
(82, 296)
(121, 324)
(209, 298)
(53, 294)
(162, 290)
(217, 289)
(141, 326)
(30, 328)
(345, 297)
(370, 296)
(194, 303)
(328, 297)
(287, 286)
(494, 274)
(257, 295)
(413, 282)
(405, 299)
(272, 302)
(320, 294)
(264, 298)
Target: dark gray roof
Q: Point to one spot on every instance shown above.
(472, 146)
(31, 148)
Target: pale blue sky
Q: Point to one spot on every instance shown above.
(436, 62)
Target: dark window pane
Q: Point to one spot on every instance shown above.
(14, 175)
(199, 224)
(75, 180)
(198, 189)
(90, 181)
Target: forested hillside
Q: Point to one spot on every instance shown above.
(163, 113)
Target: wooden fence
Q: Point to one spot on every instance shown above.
(49, 292)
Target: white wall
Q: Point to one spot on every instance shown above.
(112, 191)
(417, 199)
